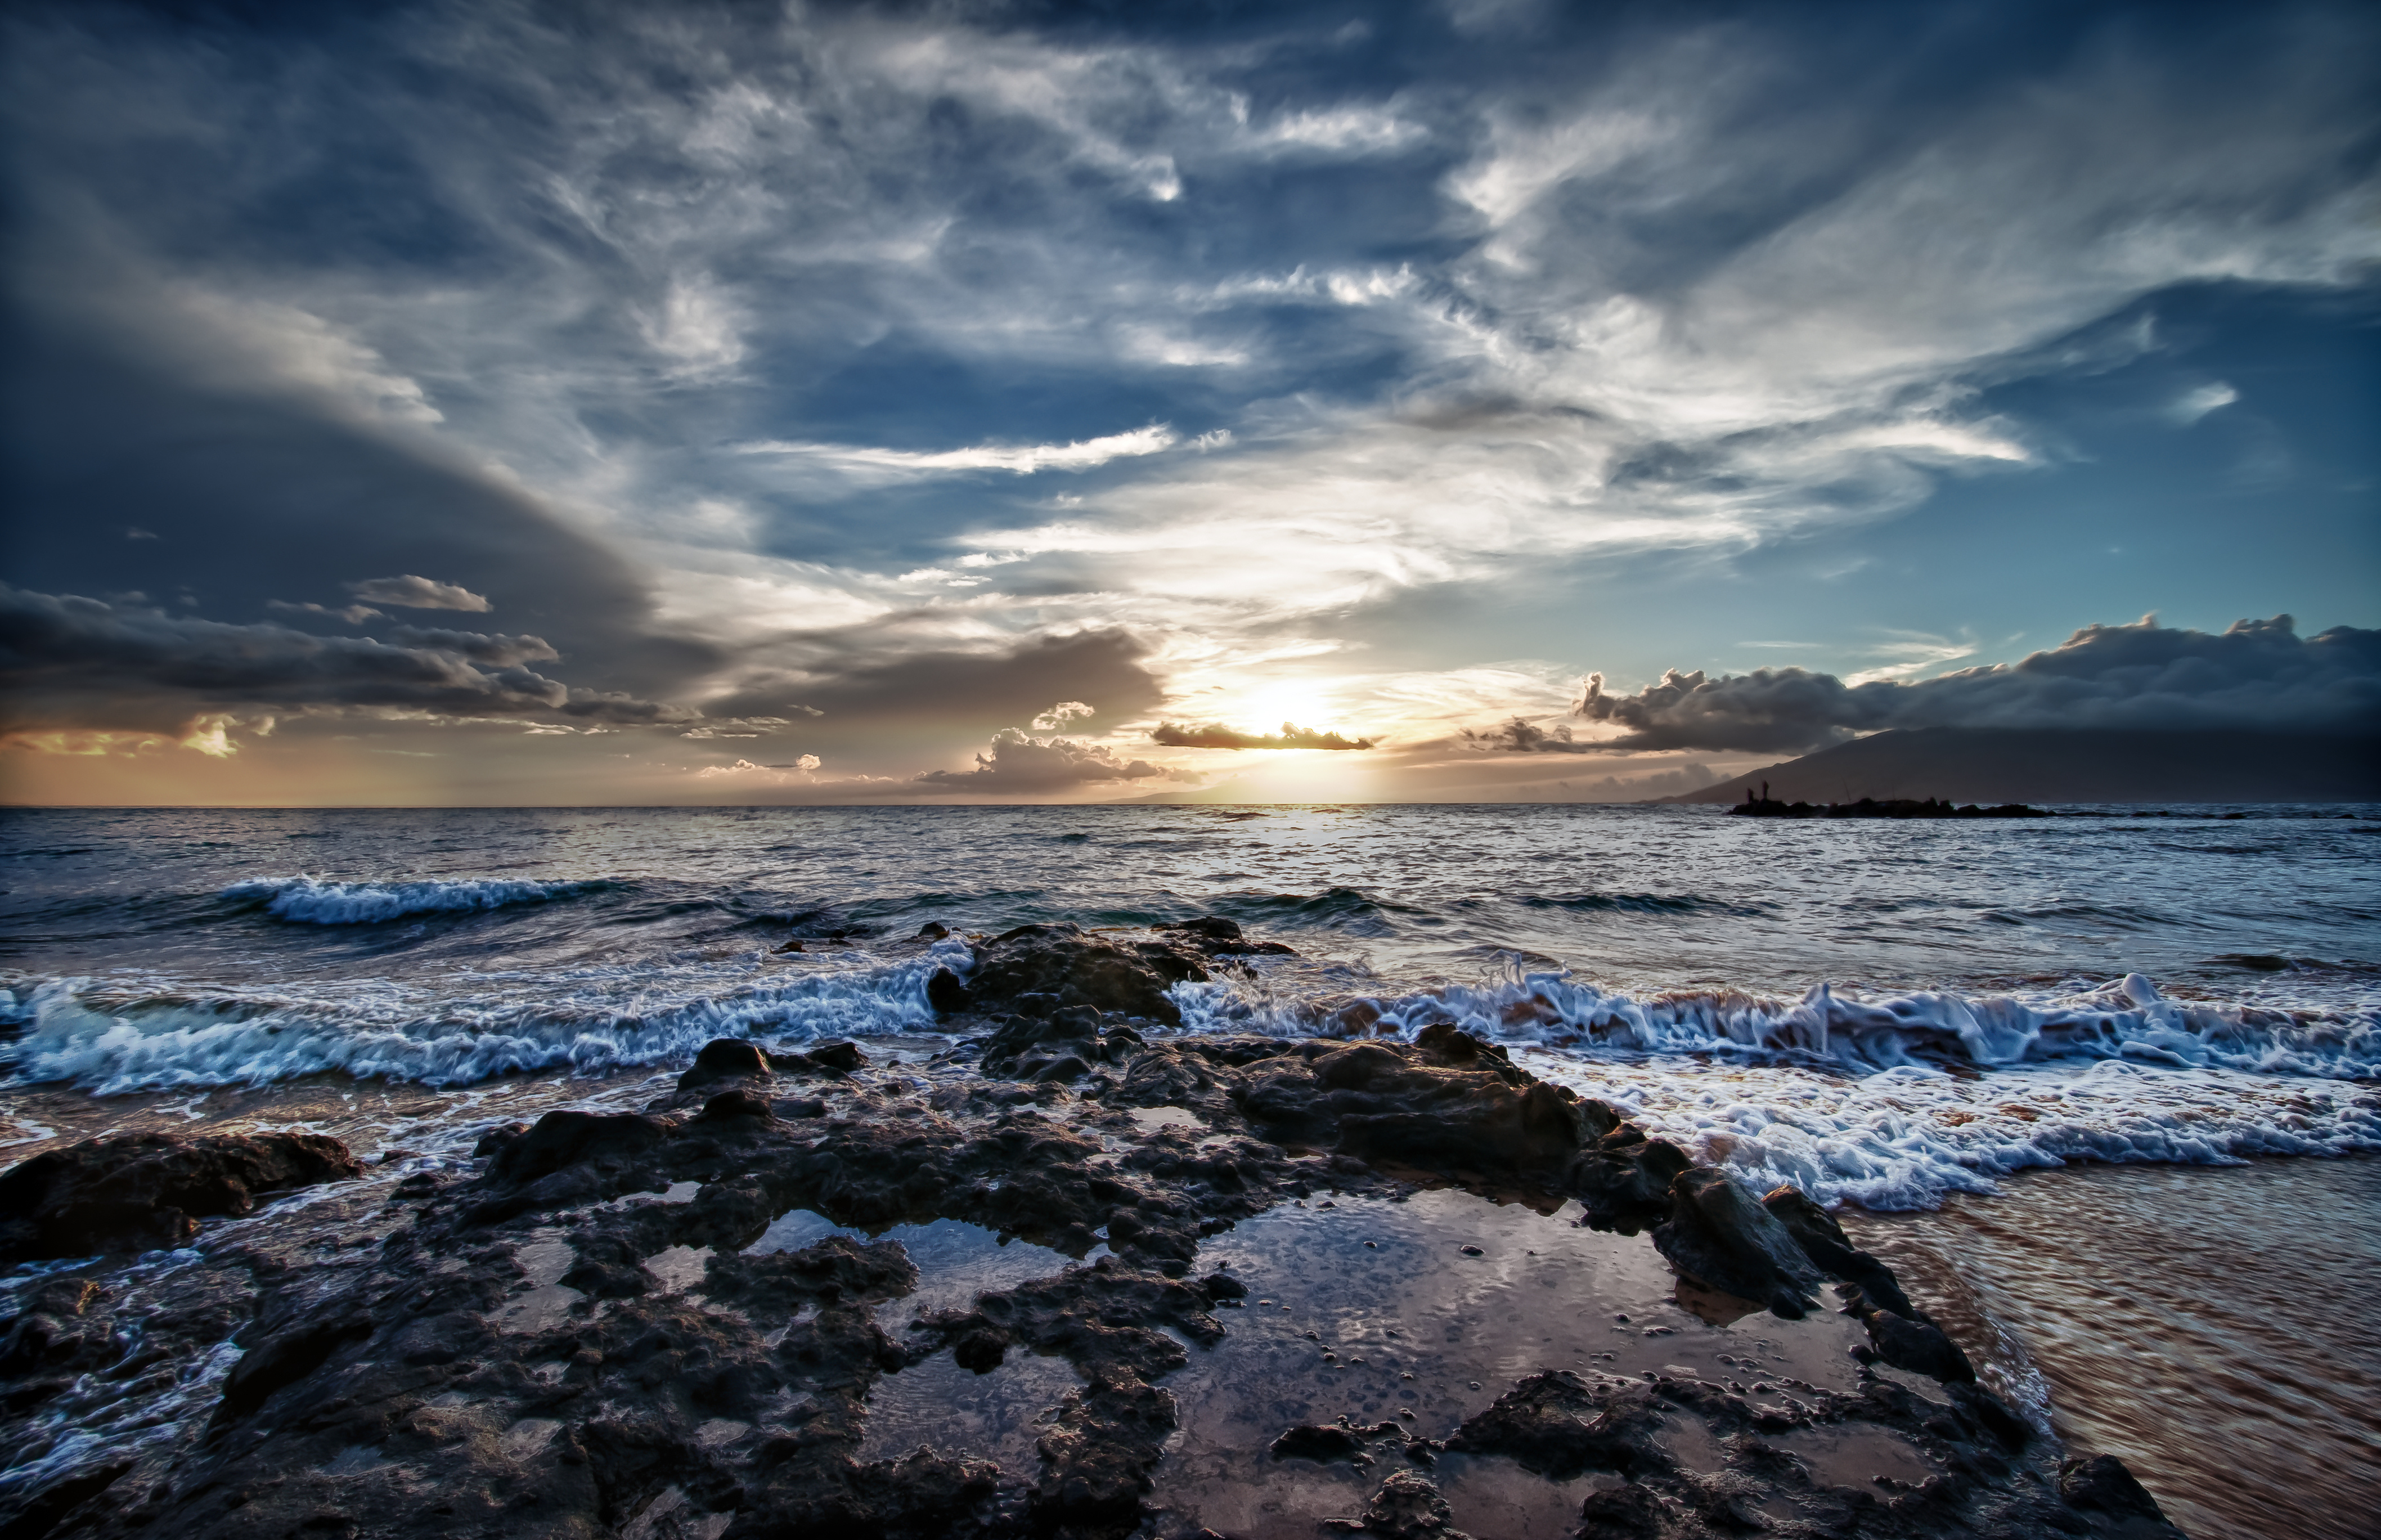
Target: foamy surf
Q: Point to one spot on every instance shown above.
(2127, 1019)
(109, 1040)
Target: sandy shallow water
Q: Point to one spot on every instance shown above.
(2218, 1329)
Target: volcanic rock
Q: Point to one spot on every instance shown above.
(562, 1138)
(1557, 1425)
(725, 1059)
(1912, 1342)
(1407, 1507)
(143, 1192)
(2102, 1486)
(1824, 1242)
(1720, 1233)
(1038, 969)
(1448, 1110)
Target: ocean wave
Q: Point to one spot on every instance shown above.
(1894, 1103)
(1905, 1138)
(2126, 1019)
(311, 901)
(99, 1039)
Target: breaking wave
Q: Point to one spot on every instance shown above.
(2125, 1019)
(108, 1042)
(309, 901)
(1893, 1103)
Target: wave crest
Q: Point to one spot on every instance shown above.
(311, 901)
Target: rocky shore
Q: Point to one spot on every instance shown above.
(580, 1331)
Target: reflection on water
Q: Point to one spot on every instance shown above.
(1377, 1311)
(2218, 1330)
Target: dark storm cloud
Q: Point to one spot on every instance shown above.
(77, 663)
(2257, 674)
(1021, 763)
(502, 651)
(1214, 735)
(257, 498)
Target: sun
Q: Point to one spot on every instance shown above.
(1304, 702)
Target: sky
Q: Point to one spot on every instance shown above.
(492, 403)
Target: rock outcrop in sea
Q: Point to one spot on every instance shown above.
(579, 1334)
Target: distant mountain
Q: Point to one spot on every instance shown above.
(2007, 764)
(1222, 791)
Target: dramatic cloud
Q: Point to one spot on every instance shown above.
(77, 663)
(1025, 764)
(922, 366)
(414, 592)
(1214, 735)
(2257, 674)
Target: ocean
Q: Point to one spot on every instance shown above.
(1894, 1016)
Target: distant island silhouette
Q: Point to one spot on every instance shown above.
(1997, 765)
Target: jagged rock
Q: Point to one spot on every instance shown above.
(1911, 1342)
(562, 1138)
(1324, 1443)
(837, 1055)
(1557, 1425)
(1720, 1234)
(1407, 1507)
(50, 1331)
(1375, 1100)
(1065, 965)
(1627, 1177)
(1824, 1242)
(2103, 1487)
(1098, 1457)
(143, 1192)
(773, 1285)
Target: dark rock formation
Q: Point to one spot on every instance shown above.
(1448, 1103)
(507, 1356)
(1559, 1425)
(726, 1059)
(1824, 1242)
(1407, 1507)
(1036, 970)
(2103, 1487)
(147, 1191)
(1719, 1233)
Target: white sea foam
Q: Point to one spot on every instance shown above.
(2128, 1019)
(311, 901)
(1893, 1103)
(1903, 1138)
(109, 1039)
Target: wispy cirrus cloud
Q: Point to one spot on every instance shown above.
(863, 463)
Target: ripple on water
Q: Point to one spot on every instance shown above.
(2215, 1328)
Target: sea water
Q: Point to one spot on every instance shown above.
(1890, 1015)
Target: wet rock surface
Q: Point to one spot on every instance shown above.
(148, 1192)
(585, 1334)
